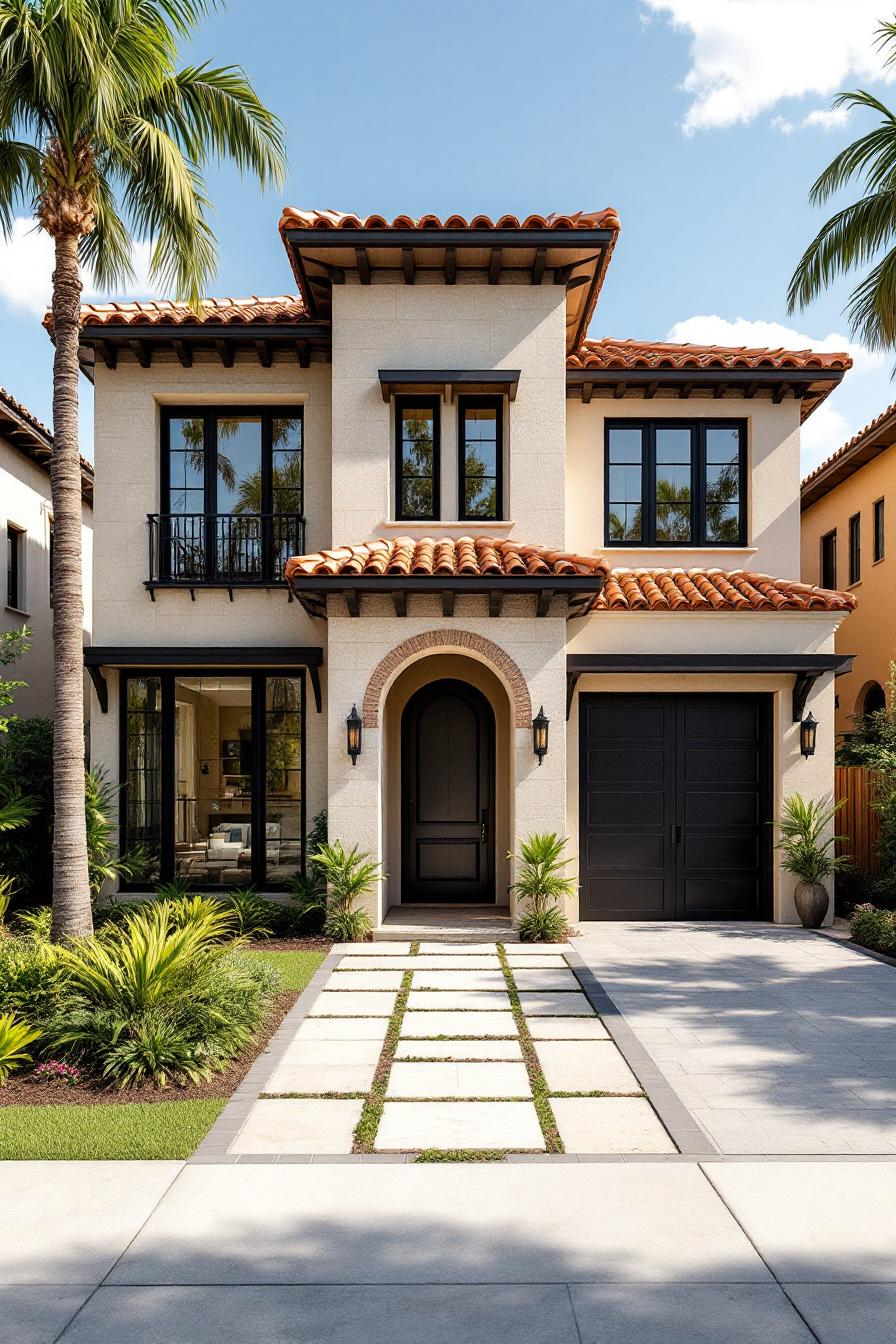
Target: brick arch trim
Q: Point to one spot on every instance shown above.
(448, 641)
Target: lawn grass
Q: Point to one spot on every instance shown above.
(160, 1129)
(295, 968)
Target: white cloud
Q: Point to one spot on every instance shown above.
(822, 434)
(26, 270)
(783, 125)
(710, 329)
(746, 55)
(828, 118)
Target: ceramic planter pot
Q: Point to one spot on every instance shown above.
(812, 901)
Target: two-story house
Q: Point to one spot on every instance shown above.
(845, 543)
(26, 520)
(406, 546)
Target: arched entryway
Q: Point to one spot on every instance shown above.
(871, 698)
(448, 793)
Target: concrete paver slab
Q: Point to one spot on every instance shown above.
(333, 1003)
(73, 1219)
(298, 1126)
(538, 978)
(37, 1315)
(482, 963)
(354, 980)
(815, 1222)
(543, 962)
(449, 1000)
(343, 1029)
(446, 1079)
(554, 1005)
(585, 1066)
(458, 949)
(567, 1029)
(432, 1223)
(609, 1125)
(326, 1066)
(410, 1125)
(463, 979)
(844, 1313)
(347, 1314)
(535, 949)
(751, 1313)
(372, 949)
(458, 1024)
(458, 1050)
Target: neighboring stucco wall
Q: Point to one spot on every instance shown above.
(773, 448)
(25, 503)
(464, 326)
(870, 631)
(363, 796)
(620, 632)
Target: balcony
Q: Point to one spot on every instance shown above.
(221, 550)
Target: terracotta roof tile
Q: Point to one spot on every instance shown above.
(328, 220)
(849, 447)
(22, 413)
(613, 354)
(713, 590)
(283, 308)
(474, 556)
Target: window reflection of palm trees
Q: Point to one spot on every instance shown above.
(673, 511)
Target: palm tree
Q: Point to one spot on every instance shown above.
(857, 235)
(104, 139)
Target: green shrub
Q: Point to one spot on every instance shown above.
(7, 888)
(253, 915)
(874, 928)
(350, 876)
(26, 767)
(35, 924)
(196, 910)
(15, 1034)
(309, 889)
(541, 887)
(805, 854)
(32, 979)
(156, 1000)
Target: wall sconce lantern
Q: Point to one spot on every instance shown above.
(540, 725)
(808, 729)
(353, 734)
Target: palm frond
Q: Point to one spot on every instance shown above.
(850, 238)
(19, 179)
(107, 250)
(872, 305)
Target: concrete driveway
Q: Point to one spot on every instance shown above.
(778, 1041)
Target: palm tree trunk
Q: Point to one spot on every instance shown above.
(72, 915)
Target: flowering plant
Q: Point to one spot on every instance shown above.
(57, 1071)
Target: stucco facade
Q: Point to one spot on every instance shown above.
(373, 613)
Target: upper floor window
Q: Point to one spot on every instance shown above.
(675, 483)
(480, 452)
(829, 560)
(878, 530)
(417, 458)
(231, 493)
(15, 546)
(855, 548)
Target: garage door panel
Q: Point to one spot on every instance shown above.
(626, 765)
(733, 765)
(722, 898)
(724, 716)
(737, 807)
(617, 898)
(605, 723)
(722, 850)
(606, 808)
(633, 850)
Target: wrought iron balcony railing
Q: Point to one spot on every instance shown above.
(223, 550)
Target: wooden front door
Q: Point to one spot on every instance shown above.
(447, 795)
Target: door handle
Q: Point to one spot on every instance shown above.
(676, 836)
(483, 827)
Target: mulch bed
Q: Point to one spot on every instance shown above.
(312, 942)
(24, 1090)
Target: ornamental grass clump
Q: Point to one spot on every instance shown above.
(541, 887)
(15, 1034)
(350, 876)
(163, 997)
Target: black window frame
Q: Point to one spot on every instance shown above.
(167, 677)
(855, 549)
(483, 402)
(434, 404)
(828, 580)
(210, 415)
(698, 428)
(15, 596)
(878, 530)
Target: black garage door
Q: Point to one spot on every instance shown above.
(674, 806)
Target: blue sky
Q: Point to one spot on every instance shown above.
(703, 122)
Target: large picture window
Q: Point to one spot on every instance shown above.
(675, 483)
(213, 768)
(480, 451)
(417, 458)
(232, 493)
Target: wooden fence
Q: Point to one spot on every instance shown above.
(857, 821)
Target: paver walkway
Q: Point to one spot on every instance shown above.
(450, 1048)
(777, 1040)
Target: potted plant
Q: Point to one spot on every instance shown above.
(540, 888)
(350, 877)
(807, 855)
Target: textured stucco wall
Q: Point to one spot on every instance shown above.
(773, 448)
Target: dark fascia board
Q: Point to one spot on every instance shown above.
(204, 656)
(847, 466)
(159, 334)
(581, 663)
(566, 239)
(437, 583)
(487, 380)
(703, 377)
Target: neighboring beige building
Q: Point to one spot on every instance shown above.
(26, 517)
(848, 537)
(408, 547)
